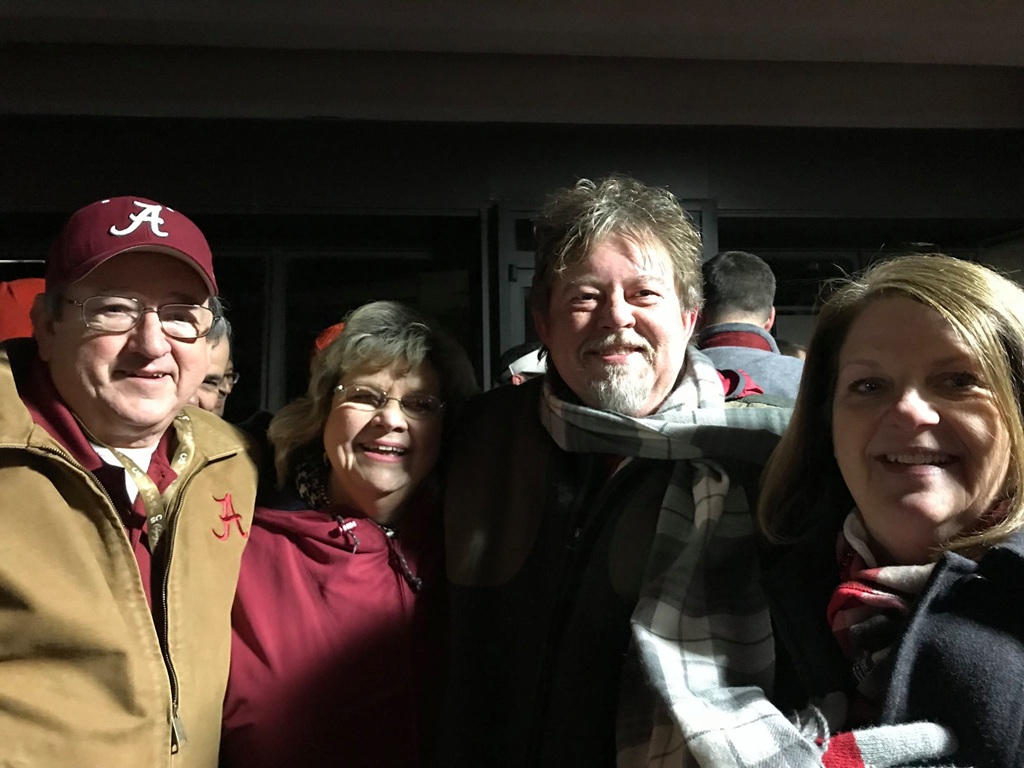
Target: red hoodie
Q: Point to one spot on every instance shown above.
(332, 643)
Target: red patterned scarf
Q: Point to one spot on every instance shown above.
(867, 610)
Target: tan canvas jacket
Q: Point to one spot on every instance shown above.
(83, 680)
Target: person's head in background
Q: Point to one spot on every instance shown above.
(521, 363)
(616, 290)
(221, 377)
(368, 430)
(122, 324)
(792, 349)
(739, 287)
(910, 411)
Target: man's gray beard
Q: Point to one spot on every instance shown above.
(622, 390)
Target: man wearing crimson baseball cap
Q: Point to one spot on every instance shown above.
(125, 512)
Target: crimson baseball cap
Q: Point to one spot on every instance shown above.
(107, 228)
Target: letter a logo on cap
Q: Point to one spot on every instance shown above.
(150, 214)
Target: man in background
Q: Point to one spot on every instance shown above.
(221, 377)
(738, 313)
(124, 515)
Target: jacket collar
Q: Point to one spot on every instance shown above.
(737, 335)
(43, 419)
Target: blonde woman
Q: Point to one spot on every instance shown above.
(894, 504)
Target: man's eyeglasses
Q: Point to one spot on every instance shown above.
(119, 314)
(224, 383)
(417, 405)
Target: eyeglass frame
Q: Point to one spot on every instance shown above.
(339, 388)
(212, 387)
(143, 309)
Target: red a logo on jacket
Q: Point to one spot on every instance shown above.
(228, 516)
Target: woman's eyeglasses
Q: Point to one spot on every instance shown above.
(417, 405)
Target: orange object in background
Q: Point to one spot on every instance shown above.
(16, 299)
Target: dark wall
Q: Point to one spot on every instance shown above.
(317, 166)
(271, 193)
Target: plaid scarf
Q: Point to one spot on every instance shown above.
(702, 657)
(694, 421)
(867, 610)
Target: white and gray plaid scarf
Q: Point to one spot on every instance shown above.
(695, 681)
(693, 422)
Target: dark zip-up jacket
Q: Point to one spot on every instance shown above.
(546, 551)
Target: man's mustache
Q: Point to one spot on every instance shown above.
(621, 339)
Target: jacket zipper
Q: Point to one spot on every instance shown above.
(577, 545)
(178, 736)
(177, 727)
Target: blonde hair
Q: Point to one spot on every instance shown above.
(801, 480)
(375, 336)
(574, 221)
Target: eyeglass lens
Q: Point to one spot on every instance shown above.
(119, 314)
(417, 405)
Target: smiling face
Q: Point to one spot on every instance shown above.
(916, 432)
(379, 457)
(126, 388)
(615, 328)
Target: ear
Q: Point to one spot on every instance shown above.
(690, 321)
(770, 321)
(42, 327)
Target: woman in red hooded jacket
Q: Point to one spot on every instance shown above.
(336, 626)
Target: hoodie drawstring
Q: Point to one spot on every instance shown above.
(347, 528)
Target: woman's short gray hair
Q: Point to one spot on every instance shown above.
(376, 336)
